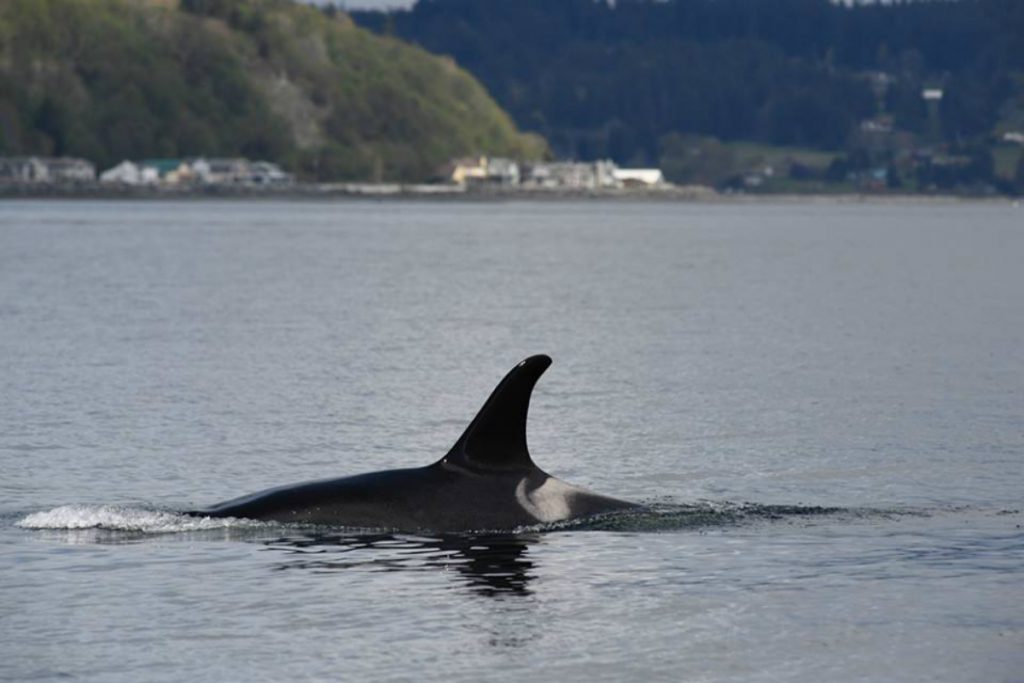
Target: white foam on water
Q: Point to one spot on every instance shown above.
(123, 518)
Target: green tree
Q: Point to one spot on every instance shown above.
(272, 79)
(696, 160)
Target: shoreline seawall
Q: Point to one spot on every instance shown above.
(399, 191)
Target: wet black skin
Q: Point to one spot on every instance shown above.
(487, 481)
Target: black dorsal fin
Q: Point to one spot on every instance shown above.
(496, 438)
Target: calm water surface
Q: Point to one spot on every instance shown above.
(823, 405)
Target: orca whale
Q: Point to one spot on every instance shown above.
(487, 481)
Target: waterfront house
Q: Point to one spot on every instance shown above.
(268, 173)
(46, 170)
(130, 173)
(639, 177)
(221, 171)
(170, 171)
(468, 169)
(70, 170)
(239, 171)
(22, 170)
(483, 170)
(562, 174)
(572, 175)
(502, 171)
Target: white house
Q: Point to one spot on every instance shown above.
(573, 175)
(70, 170)
(268, 173)
(639, 177)
(563, 174)
(502, 171)
(239, 171)
(128, 173)
(222, 171)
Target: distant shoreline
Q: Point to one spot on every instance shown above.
(395, 191)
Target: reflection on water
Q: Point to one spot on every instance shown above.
(488, 564)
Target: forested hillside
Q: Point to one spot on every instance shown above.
(602, 79)
(116, 79)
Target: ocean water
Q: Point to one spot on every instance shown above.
(821, 404)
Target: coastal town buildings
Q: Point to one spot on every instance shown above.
(237, 172)
(483, 170)
(170, 171)
(70, 170)
(217, 171)
(130, 173)
(639, 177)
(57, 170)
(551, 175)
(43, 172)
(571, 174)
(22, 170)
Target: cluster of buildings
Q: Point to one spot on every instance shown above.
(472, 172)
(59, 170)
(197, 171)
(570, 175)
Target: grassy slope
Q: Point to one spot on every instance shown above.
(113, 79)
(693, 159)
